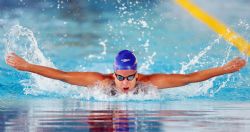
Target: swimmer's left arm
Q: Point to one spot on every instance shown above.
(175, 80)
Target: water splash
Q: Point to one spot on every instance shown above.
(196, 58)
(145, 92)
(223, 84)
(242, 23)
(149, 60)
(104, 44)
(22, 41)
(38, 85)
(201, 88)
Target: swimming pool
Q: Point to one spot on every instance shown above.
(86, 35)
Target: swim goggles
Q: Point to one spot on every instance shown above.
(129, 78)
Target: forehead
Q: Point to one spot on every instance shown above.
(125, 72)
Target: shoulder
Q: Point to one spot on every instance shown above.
(152, 77)
(106, 78)
(96, 75)
(91, 76)
(144, 77)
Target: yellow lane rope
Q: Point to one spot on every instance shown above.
(217, 26)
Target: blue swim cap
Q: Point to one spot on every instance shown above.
(125, 60)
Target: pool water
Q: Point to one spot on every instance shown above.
(43, 114)
(86, 35)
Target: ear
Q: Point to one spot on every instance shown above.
(136, 76)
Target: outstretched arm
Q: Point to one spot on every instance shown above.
(75, 78)
(175, 80)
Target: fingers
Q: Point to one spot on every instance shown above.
(10, 61)
(235, 65)
(10, 58)
(239, 60)
(12, 54)
(240, 63)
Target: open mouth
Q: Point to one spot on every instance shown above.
(126, 89)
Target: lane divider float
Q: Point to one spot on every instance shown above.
(221, 29)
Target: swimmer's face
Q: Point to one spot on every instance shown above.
(125, 80)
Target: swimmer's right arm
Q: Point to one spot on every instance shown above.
(75, 78)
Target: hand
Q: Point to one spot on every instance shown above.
(17, 62)
(234, 65)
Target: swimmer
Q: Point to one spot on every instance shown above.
(125, 76)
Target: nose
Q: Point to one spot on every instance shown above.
(125, 82)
